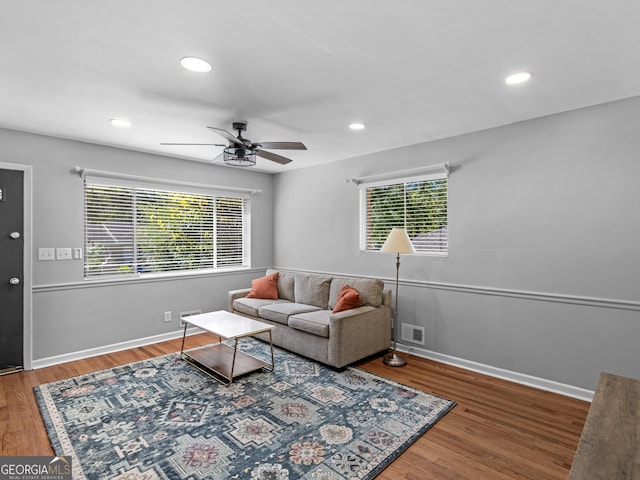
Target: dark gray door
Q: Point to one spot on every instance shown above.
(11, 270)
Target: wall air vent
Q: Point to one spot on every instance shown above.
(412, 334)
(186, 314)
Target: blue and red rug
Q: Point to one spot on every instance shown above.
(164, 419)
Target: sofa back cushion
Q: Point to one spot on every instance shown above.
(312, 290)
(285, 284)
(370, 289)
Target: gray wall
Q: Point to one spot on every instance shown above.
(71, 315)
(542, 275)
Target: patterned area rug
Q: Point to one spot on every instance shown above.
(164, 419)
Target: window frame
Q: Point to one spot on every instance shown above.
(389, 180)
(160, 185)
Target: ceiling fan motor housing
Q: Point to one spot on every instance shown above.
(240, 126)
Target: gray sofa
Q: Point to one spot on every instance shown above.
(304, 321)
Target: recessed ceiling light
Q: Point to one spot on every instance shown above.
(195, 64)
(120, 122)
(357, 126)
(519, 77)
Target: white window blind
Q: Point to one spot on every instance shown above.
(417, 204)
(140, 230)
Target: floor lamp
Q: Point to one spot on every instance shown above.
(397, 242)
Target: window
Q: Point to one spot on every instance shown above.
(417, 204)
(134, 230)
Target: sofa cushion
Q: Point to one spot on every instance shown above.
(265, 287)
(348, 298)
(280, 312)
(312, 290)
(316, 322)
(285, 284)
(370, 289)
(250, 306)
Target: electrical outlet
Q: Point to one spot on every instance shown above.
(63, 254)
(167, 316)
(46, 254)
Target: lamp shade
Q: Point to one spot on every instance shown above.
(398, 242)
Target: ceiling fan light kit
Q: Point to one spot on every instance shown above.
(239, 157)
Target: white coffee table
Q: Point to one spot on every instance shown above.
(221, 361)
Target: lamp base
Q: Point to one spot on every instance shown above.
(394, 360)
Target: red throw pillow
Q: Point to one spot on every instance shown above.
(348, 298)
(265, 287)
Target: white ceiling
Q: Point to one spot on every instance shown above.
(412, 70)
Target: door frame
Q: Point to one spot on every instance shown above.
(27, 261)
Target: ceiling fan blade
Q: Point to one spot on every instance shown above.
(214, 144)
(274, 157)
(218, 158)
(282, 145)
(227, 135)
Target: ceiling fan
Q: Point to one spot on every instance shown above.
(241, 152)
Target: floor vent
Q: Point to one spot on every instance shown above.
(412, 333)
(186, 314)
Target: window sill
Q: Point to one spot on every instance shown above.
(140, 279)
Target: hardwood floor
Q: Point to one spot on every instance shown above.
(498, 430)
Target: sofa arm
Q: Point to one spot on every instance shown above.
(358, 333)
(233, 294)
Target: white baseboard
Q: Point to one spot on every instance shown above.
(116, 347)
(540, 383)
(520, 378)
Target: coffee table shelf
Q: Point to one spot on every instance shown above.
(221, 361)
